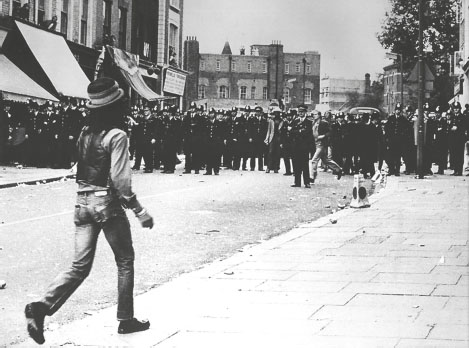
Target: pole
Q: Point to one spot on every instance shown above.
(402, 78)
(304, 78)
(420, 135)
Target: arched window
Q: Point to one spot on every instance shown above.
(242, 92)
(223, 92)
(201, 92)
(253, 92)
(308, 94)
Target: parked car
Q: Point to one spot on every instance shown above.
(366, 110)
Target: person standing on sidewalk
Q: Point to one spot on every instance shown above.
(321, 131)
(104, 188)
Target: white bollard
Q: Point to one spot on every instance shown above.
(359, 193)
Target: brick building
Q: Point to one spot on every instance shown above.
(226, 80)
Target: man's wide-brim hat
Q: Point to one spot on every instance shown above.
(103, 92)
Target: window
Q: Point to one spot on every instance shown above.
(41, 12)
(265, 93)
(233, 66)
(286, 95)
(16, 8)
(253, 92)
(287, 68)
(173, 40)
(308, 96)
(201, 94)
(174, 3)
(122, 27)
(202, 65)
(64, 18)
(242, 92)
(249, 67)
(218, 65)
(297, 67)
(308, 68)
(223, 92)
(264, 67)
(146, 49)
(107, 12)
(84, 22)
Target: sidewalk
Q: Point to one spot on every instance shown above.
(11, 176)
(392, 275)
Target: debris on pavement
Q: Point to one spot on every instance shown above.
(229, 273)
(333, 221)
(442, 259)
(3, 284)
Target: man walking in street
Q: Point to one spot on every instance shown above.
(104, 188)
(321, 134)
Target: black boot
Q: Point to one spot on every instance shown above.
(35, 313)
(133, 325)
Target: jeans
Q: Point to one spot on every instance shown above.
(93, 214)
(322, 154)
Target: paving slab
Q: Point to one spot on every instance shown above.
(321, 284)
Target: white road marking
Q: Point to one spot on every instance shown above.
(71, 211)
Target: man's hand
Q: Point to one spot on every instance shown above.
(145, 219)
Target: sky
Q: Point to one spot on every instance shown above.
(342, 31)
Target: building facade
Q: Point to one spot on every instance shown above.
(392, 80)
(226, 80)
(463, 86)
(150, 29)
(335, 92)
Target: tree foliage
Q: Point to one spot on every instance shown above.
(400, 32)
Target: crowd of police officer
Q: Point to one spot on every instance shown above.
(40, 135)
(241, 138)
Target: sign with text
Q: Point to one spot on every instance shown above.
(174, 82)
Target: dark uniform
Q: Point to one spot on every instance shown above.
(457, 139)
(286, 142)
(302, 142)
(396, 135)
(238, 138)
(213, 144)
(441, 141)
(193, 125)
(172, 127)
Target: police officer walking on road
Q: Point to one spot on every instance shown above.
(104, 188)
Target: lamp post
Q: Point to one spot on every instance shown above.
(420, 122)
(304, 78)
